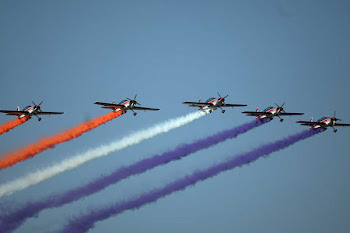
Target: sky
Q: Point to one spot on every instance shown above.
(70, 54)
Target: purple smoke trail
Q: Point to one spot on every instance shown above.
(13, 220)
(87, 221)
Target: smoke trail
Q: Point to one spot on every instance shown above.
(87, 221)
(14, 220)
(11, 124)
(73, 162)
(49, 142)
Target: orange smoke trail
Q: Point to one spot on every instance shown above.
(11, 124)
(49, 142)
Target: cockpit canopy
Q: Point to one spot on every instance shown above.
(123, 101)
(26, 107)
(267, 109)
(321, 119)
(210, 99)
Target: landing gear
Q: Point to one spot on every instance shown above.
(222, 110)
(210, 111)
(39, 119)
(135, 113)
(335, 130)
(281, 120)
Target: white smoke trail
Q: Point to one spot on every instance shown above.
(73, 162)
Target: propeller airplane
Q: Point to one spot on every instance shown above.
(29, 111)
(271, 112)
(323, 123)
(127, 104)
(212, 104)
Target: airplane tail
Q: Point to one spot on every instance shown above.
(18, 108)
(257, 109)
(311, 119)
(200, 99)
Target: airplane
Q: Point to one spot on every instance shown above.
(323, 123)
(271, 112)
(29, 111)
(125, 105)
(212, 104)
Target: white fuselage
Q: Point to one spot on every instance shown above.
(328, 122)
(216, 104)
(273, 112)
(31, 111)
(128, 104)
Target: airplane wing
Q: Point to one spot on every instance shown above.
(305, 124)
(256, 113)
(14, 113)
(197, 104)
(336, 124)
(291, 113)
(310, 123)
(48, 113)
(234, 105)
(146, 109)
(109, 105)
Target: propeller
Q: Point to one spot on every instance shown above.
(280, 107)
(37, 106)
(334, 118)
(134, 100)
(222, 98)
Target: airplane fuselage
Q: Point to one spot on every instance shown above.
(31, 110)
(328, 122)
(216, 103)
(273, 111)
(128, 105)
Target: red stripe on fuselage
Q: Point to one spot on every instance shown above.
(30, 108)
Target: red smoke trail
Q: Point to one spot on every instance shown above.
(49, 142)
(11, 124)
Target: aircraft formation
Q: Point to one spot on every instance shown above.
(18, 216)
(208, 106)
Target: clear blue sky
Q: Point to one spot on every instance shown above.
(73, 53)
